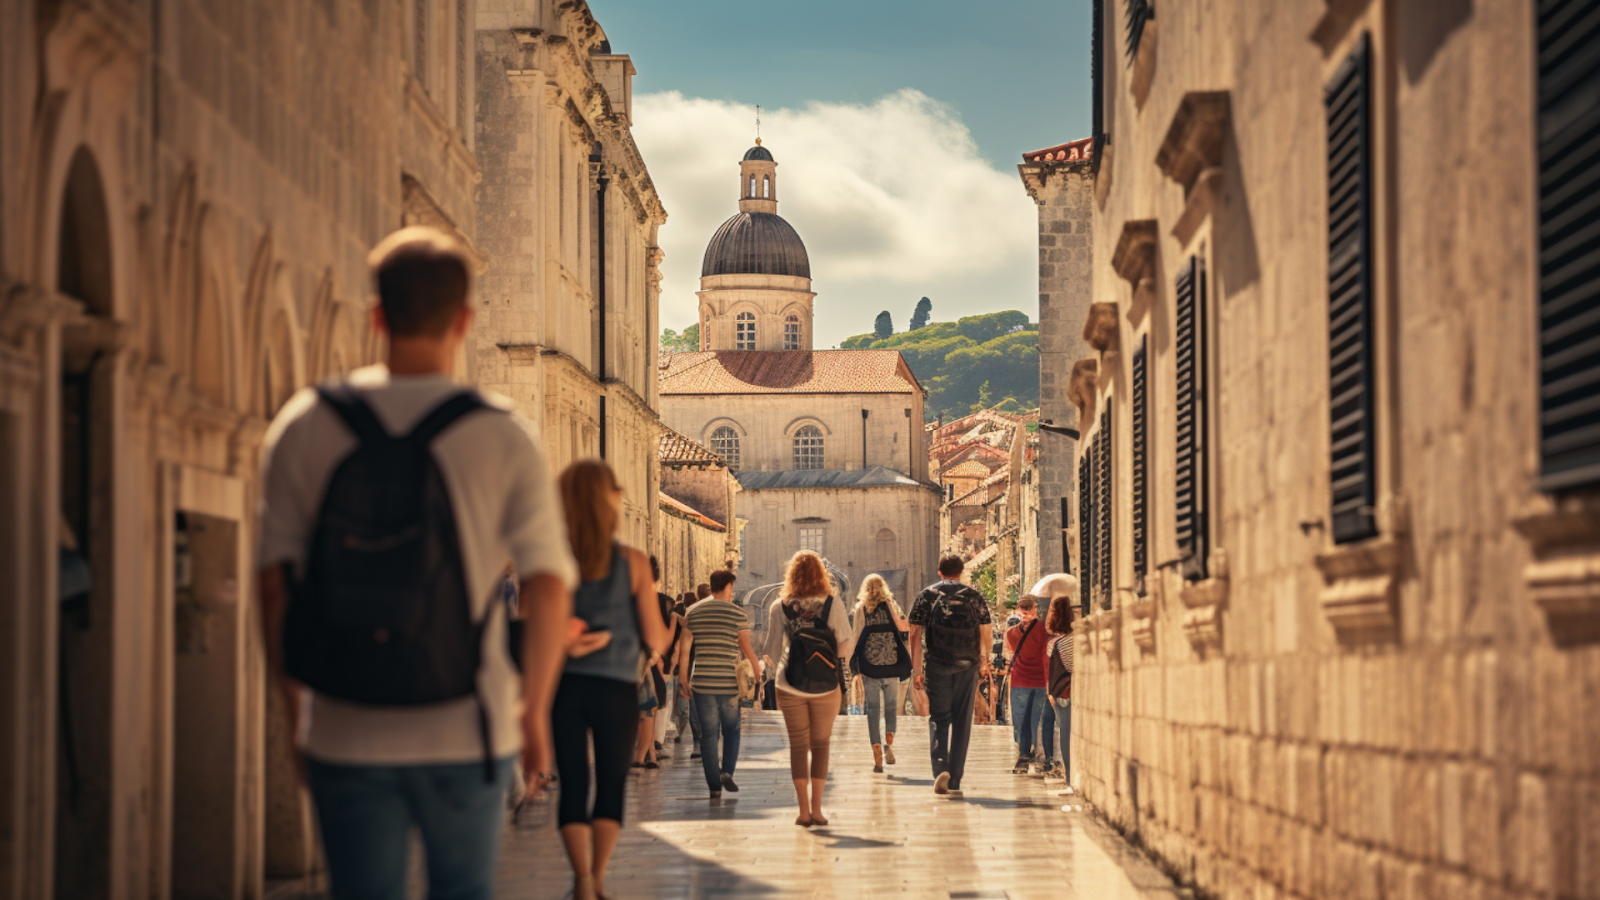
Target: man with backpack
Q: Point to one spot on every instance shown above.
(391, 502)
(955, 621)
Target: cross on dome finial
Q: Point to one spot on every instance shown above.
(758, 124)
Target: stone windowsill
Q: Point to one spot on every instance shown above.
(1563, 573)
(1142, 619)
(1134, 260)
(1359, 585)
(1100, 327)
(1204, 600)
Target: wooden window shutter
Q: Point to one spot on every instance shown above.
(1103, 498)
(1191, 400)
(1569, 243)
(1086, 507)
(1352, 474)
(1139, 12)
(1139, 455)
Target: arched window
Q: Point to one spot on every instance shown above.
(791, 333)
(808, 447)
(752, 187)
(744, 331)
(725, 443)
(766, 186)
(886, 549)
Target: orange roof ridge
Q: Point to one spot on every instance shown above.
(1080, 149)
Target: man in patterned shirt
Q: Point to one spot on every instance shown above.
(717, 633)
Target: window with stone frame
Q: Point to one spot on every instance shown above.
(808, 447)
(1139, 455)
(791, 333)
(1192, 404)
(1353, 476)
(725, 443)
(744, 331)
(814, 538)
(1569, 244)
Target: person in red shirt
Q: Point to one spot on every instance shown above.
(1027, 649)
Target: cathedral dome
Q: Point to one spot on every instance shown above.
(756, 243)
(758, 152)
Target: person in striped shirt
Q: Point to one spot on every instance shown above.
(717, 632)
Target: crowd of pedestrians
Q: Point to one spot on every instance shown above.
(437, 608)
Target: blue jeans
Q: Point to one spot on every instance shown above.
(718, 715)
(881, 694)
(1027, 710)
(1047, 730)
(1064, 719)
(366, 814)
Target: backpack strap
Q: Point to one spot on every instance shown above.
(353, 409)
(444, 415)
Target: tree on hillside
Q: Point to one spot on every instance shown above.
(687, 342)
(921, 315)
(985, 396)
(884, 327)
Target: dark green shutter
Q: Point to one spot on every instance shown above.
(1139, 456)
(1191, 402)
(1352, 472)
(1569, 243)
(1103, 507)
(1086, 507)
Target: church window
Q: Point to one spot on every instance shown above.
(744, 331)
(813, 538)
(752, 186)
(725, 443)
(766, 186)
(791, 333)
(808, 447)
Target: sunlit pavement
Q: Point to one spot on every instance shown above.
(888, 835)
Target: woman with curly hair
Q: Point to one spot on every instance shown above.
(800, 628)
(881, 661)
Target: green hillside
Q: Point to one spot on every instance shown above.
(971, 363)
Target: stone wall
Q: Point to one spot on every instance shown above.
(1410, 714)
(1063, 191)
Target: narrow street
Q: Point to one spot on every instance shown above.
(888, 834)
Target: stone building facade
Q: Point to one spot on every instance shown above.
(567, 315)
(187, 194)
(1339, 461)
(1059, 182)
(699, 528)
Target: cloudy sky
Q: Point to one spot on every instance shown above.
(897, 126)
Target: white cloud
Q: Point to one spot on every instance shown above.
(891, 198)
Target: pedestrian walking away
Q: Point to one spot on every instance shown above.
(1027, 645)
(808, 639)
(655, 700)
(950, 640)
(390, 504)
(717, 633)
(598, 697)
(1063, 610)
(882, 660)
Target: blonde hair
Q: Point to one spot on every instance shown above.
(874, 592)
(591, 516)
(806, 578)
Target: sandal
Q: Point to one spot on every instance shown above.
(804, 821)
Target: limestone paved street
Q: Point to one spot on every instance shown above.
(888, 834)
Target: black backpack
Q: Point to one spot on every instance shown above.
(952, 629)
(881, 650)
(813, 666)
(383, 616)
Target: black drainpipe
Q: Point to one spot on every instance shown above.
(601, 181)
(863, 439)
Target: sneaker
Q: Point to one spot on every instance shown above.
(941, 785)
(1021, 768)
(716, 795)
(888, 754)
(695, 754)
(728, 785)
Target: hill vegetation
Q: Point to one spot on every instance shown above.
(972, 363)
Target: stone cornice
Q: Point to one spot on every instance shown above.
(1134, 260)
(1195, 138)
(1035, 175)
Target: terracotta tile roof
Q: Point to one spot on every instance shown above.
(787, 372)
(969, 469)
(685, 511)
(678, 450)
(997, 477)
(1068, 152)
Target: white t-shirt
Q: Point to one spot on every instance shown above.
(506, 508)
(778, 640)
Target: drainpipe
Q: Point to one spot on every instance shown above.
(863, 439)
(601, 182)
